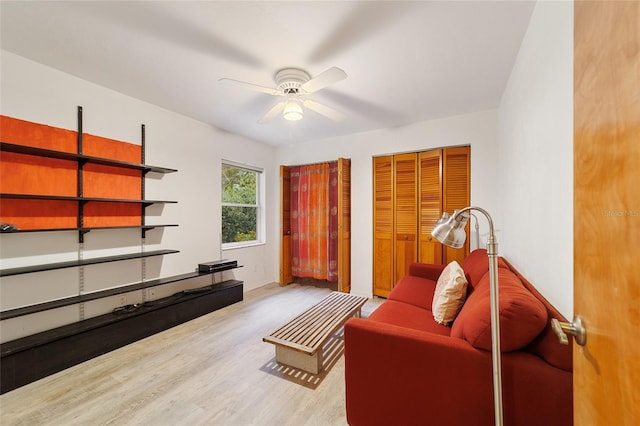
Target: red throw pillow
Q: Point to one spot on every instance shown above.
(522, 315)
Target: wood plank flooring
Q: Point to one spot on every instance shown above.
(214, 370)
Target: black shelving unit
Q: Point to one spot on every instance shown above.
(32, 357)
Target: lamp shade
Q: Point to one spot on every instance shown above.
(449, 230)
(292, 110)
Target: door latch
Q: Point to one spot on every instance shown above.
(575, 328)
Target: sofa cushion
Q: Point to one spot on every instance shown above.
(429, 271)
(449, 295)
(476, 266)
(408, 316)
(522, 315)
(414, 291)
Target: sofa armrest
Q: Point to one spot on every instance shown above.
(395, 375)
(426, 270)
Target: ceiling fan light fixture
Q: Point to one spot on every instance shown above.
(292, 110)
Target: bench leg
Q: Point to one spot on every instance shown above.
(309, 363)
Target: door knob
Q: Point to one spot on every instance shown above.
(575, 328)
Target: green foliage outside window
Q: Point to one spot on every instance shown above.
(239, 204)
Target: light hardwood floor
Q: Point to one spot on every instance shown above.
(214, 370)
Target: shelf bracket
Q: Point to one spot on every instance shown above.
(81, 233)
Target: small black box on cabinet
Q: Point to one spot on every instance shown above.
(218, 265)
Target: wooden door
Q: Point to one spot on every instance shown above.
(286, 275)
(405, 212)
(382, 225)
(607, 211)
(344, 225)
(430, 205)
(455, 193)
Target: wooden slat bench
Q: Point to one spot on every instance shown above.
(299, 342)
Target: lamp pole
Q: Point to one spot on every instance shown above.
(492, 253)
(449, 230)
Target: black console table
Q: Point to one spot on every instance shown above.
(31, 358)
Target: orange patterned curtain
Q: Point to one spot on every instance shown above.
(314, 221)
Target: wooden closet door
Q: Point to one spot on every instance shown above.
(382, 225)
(405, 212)
(286, 275)
(455, 193)
(344, 225)
(430, 190)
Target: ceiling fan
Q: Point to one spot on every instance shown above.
(294, 85)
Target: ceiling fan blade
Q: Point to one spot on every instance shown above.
(324, 110)
(272, 113)
(251, 86)
(366, 19)
(324, 79)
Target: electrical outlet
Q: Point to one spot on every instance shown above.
(123, 300)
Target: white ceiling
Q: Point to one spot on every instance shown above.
(406, 61)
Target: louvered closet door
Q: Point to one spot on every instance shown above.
(406, 212)
(430, 190)
(344, 225)
(382, 225)
(286, 275)
(455, 188)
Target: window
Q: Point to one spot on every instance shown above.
(241, 209)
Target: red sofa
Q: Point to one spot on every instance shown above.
(403, 368)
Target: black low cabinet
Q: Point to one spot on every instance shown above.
(37, 356)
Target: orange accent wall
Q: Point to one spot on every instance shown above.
(98, 146)
(112, 214)
(28, 174)
(108, 181)
(39, 214)
(111, 182)
(33, 175)
(36, 135)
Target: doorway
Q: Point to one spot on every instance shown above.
(338, 229)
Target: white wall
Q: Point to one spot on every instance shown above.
(536, 156)
(479, 130)
(521, 172)
(33, 92)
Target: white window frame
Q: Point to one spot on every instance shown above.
(260, 211)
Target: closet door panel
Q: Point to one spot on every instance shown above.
(456, 184)
(430, 190)
(382, 225)
(286, 275)
(344, 225)
(406, 212)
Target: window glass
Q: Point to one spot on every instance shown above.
(240, 205)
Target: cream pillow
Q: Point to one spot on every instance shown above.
(450, 293)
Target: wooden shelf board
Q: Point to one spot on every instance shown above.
(82, 199)
(87, 229)
(84, 262)
(41, 152)
(73, 300)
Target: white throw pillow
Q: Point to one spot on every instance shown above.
(450, 293)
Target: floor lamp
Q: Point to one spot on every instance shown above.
(449, 230)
